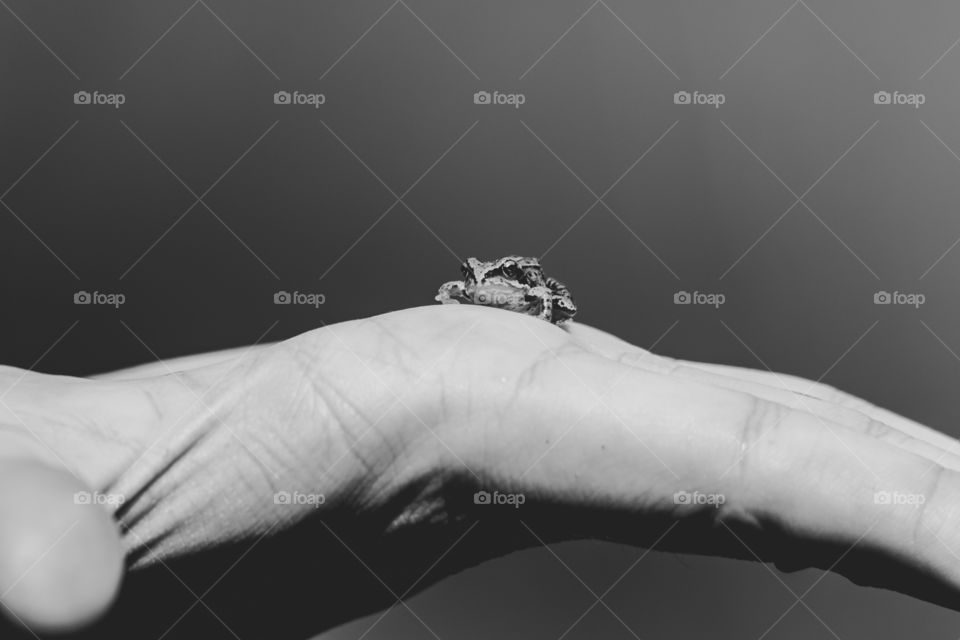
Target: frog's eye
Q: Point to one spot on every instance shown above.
(510, 269)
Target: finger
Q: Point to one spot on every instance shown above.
(60, 555)
(793, 391)
(830, 394)
(806, 488)
(840, 414)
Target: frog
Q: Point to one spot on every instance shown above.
(515, 283)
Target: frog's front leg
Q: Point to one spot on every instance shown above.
(563, 307)
(453, 292)
(545, 298)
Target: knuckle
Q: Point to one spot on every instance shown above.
(881, 431)
(930, 519)
(335, 404)
(761, 422)
(363, 390)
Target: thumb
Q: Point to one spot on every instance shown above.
(60, 556)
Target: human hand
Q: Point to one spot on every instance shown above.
(397, 420)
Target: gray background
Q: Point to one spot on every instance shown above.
(309, 182)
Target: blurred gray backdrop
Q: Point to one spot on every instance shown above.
(797, 159)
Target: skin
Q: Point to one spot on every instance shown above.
(398, 419)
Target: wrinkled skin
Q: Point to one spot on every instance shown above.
(396, 421)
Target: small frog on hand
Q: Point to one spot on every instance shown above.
(514, 283)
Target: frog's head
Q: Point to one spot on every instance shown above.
(474, 270)
(518, 269)
(515, 269)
